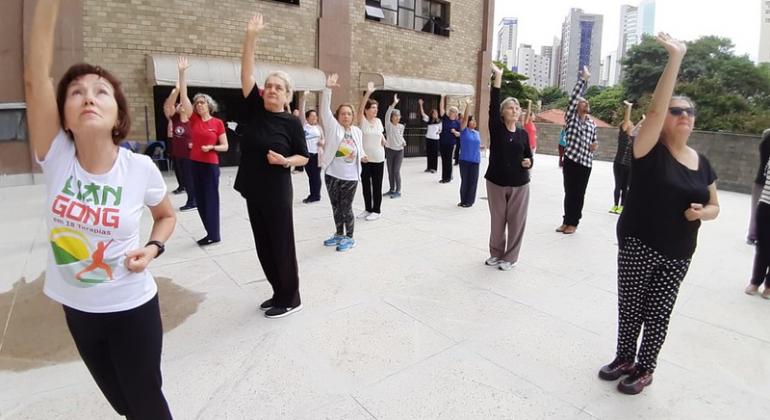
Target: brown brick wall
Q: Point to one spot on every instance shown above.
(118, 34)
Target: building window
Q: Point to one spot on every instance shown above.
(13, 122)
(422, 15)
(295, 2)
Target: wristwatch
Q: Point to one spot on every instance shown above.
(159, 244)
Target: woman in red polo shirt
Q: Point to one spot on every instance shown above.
(208, 137)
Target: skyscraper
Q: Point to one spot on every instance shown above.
(764, 33)
(581, 45)
(635, 21)
(534, 66)
(506, 41)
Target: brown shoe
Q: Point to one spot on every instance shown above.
(616, 369)
(561, 228)
(751, 289)
(569, 229)
(766, 293)
(636, 381)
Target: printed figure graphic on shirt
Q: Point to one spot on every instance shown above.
(347, 149)
(97, 261)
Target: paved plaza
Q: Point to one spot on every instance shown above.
(410, 324)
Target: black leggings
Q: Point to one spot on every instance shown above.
(371, 185)
(341, 194)
(446, 161)
(431, 149)
(622, 180)
(122, 352)
(762, 253)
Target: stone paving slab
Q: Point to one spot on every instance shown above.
(410, 323)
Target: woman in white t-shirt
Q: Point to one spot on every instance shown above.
(342, 158)
(96, 193)
(374, 147)
(314, 136)
(432, 136)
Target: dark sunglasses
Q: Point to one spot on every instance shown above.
(678, 110)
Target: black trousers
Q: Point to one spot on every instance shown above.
(648, 284)
(206, 183)
(469, 179)
(575, 183)
(371, 184)
(457, 150)
(762, 252)
(622, 181)
(178, 173)
(313, 177)
(446, 161)
(273, 229)
(122, 352)
(184, 170)
(431, 149)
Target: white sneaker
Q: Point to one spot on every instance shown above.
(363, 215)
(492, 261)
(373, 216)
(507, 266)
(751, 290)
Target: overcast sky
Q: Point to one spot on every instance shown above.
(540, 20)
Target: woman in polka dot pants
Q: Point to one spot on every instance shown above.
(672, 190)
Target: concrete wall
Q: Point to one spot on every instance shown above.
(735, 157)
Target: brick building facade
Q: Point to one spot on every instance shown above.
(131, 37)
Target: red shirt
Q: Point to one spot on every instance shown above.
(205, 133)
(532, 133)
(180, 138)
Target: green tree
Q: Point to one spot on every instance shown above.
(730, 92)
(512, 86)
(550, 95)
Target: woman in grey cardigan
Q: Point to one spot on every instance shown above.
(394, 147)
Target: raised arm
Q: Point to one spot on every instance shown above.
(254, 26)
(42, 114)
(494, 97)
(577, 93)
(360, 113)
(528, 117)
(425, 117)
(169, 105)
(441, 105)
(466, 114)
(328, 121)
(389, 112)
(186, 108)
(656, 113)
(301, 108)
(627, 124)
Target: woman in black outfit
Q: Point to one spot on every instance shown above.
(672, 190)
(273, 141)
(621, 167)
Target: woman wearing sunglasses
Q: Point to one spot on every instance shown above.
(672, 189)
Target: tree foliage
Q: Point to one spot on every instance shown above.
(730, 92)
(512, 86)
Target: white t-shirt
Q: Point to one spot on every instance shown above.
(433, 131)
(312, 136)
(373, 148)
(92, 221)
(345, 163)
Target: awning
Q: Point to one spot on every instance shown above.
(406, 84)
(226, 72)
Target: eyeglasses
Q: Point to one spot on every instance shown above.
(678, 110)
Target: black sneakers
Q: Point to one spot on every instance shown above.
(266, 304)
(636, 381)
(278, 312)
(206, 241)
(187, 207)
(616, 369)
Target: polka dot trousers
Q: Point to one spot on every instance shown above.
(648, 283)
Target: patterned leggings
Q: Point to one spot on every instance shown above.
(648, 283)
(341, 194)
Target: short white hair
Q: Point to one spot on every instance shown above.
(213, 106)
(454, 109)
(286, 81)
(508, 100)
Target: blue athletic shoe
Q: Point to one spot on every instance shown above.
(334, 240)
(346, 244)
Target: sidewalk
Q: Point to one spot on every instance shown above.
(410, 324)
